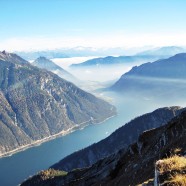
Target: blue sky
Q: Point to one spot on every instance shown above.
(98, 23)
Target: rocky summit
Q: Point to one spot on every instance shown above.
(37, 104)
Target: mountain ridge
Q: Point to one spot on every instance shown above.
(169, 74)
(119, 139)
(111, 60)
(150, 55)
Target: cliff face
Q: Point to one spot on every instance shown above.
(36, 104)
(120, 139)
(132, 166)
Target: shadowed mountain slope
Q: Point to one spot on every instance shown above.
(120, 139)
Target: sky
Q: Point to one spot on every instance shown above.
(50, 24)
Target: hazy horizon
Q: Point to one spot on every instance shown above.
(48, 25)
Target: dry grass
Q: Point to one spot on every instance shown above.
(172, 163)
(51, 173)
(177, 180)
(150, 181)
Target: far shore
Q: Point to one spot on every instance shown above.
(62, 133)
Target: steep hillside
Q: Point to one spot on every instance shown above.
(36, 104)
(120, 139)
(127, 167)
(49, 65)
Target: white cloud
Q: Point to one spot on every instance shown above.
(112, 40)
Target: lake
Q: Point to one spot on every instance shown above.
(14, 169)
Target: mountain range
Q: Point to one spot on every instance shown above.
(149, 55)
(78, 51)
(37, 104)
(81, 51)
(111, 60)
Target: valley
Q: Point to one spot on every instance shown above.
(49, 150)
(92, 93)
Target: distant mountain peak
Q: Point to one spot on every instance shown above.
(45, 63)
(43, 59)
(159, 76)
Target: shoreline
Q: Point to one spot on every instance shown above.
(77, 127)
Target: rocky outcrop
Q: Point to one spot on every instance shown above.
(170, 171)
(132, 166)
(120, 139)
(37, 104)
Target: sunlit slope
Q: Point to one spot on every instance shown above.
(36, 104)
